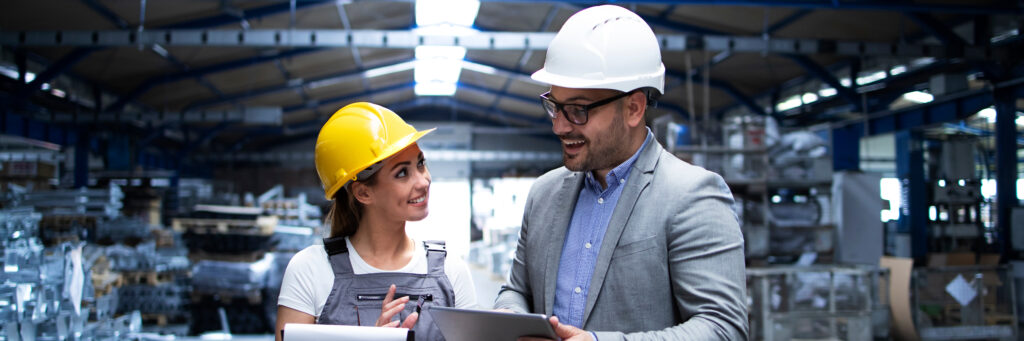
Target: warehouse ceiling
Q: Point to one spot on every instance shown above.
(746, 58)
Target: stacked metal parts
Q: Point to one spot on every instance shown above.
(48, 293)
(299, 226)
(229, 246)
(818, 303)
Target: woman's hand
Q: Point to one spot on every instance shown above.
(390, 307)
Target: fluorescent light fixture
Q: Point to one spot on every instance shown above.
(845, 81)
(479, 68)
(58, 93)
(160, 50)
(989, 114)
(434, 89)
(810, 97)
(898, 69)
(789, 103)
(12, 73)
(438, 69)
(445, 30)
(922, 61)
(827, 92)
(440, 52)
(918, 97)
(389, 69)
(452, 12)
(874, 77)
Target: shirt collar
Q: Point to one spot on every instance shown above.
(622, 170)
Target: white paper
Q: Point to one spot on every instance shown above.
(77, 279)
(309, 332)
(807, 258)
(961, 291)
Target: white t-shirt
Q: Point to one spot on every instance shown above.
(309, 278)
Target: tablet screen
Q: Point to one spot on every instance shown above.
(466, 324)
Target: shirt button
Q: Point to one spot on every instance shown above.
(587, 245)
(622, 181)
(578, 290)
(600, 200)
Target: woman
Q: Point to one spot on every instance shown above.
(369, 272)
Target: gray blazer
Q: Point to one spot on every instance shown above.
(670, 267)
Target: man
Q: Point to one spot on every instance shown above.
(626, 242)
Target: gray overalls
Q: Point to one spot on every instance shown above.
(356, 299)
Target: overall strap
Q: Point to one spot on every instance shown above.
(435, 256)
(337, 254)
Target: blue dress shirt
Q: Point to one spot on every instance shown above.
(590, 219)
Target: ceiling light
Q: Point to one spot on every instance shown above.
(438, 69)
(434, 89)
(452, 12)
(827, 92)
(918, 97)
(479, 68)
(445, 30)
(389, 69)
(989, 114)
(809, 97)
(440, 52)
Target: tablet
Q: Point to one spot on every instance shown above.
(475, 325)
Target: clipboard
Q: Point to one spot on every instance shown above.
(474, 325)
(310, 332)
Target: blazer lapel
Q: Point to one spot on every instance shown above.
(639, 177)
(560, 214)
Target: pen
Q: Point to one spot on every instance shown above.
(357, 315)
(419, 303)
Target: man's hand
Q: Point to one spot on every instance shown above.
(390, 307)
(564, 332)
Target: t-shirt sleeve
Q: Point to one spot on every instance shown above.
(297, 287)
(462, 283)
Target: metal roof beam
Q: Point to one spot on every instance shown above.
(106, 13)
(401, 39)
(945, 109)
(938, 29)
(200, 72)
(290, 84)
(873, 5)
(729, 89)
(825, 76)
(265, 11)
(782, 23)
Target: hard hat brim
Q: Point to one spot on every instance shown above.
(654, 80)
(391, 150)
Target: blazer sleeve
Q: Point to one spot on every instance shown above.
(516, 294)
(705, 256)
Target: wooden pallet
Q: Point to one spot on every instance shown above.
(262, 226)
(150, 319)
(147, 277)
(163, 238)
(104, 283)
(65, 222)
(248, 257)
(253, 297)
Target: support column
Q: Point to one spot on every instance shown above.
(914, 205)
(82, 145)
(1006, 167)
(846, 147)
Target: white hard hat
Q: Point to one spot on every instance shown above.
(604, 47)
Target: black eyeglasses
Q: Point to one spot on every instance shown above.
(576, 113)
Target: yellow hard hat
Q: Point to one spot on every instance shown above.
(356, 137)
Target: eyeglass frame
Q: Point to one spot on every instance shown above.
(560, 107)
